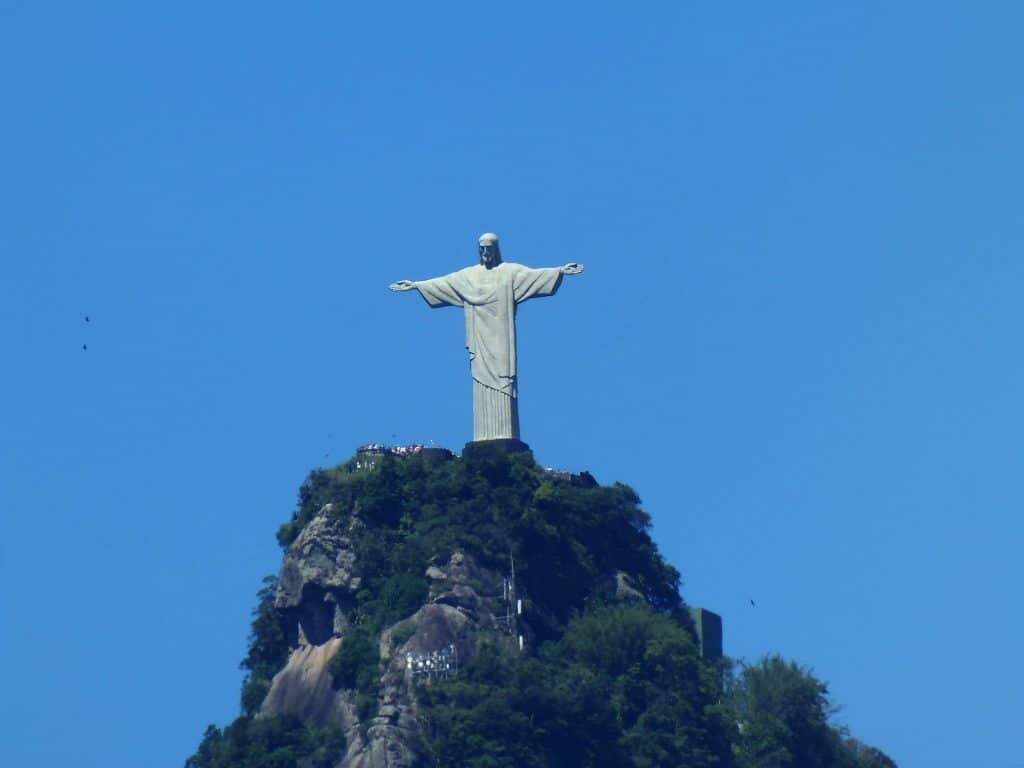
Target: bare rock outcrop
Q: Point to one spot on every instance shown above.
(305, 688)
(316, 594)
(624, 590)
(319, 577)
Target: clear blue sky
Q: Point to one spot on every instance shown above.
(798, 335)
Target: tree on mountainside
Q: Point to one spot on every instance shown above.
(782, 713)
(268, 648)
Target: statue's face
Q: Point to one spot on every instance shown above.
(490, 255)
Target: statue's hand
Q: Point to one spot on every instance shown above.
(402, 285)
(572, 268)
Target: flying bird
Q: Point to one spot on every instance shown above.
(753, 603)
(84, 347)
(87, 318)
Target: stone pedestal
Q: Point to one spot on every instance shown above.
(485, 449)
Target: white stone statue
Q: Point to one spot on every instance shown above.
(490, 293)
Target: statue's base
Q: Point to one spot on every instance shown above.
(485, 449)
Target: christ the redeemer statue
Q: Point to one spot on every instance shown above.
(490, 293)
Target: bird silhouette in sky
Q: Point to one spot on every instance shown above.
(84, 347)
(87, 318)
(752, 603)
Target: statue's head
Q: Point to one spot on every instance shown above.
(490, 253)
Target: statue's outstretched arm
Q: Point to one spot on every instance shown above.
(437, 291)
(572, 268)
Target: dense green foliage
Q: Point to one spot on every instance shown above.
(604, 684)
(268, 648)
(782, 713)
(622, 687)
(356, 665)
(267, 742)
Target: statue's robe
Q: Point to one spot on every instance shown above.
(490, 298)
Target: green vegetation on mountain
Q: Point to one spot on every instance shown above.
(268, 648)
(781, 714)
(268, 742)
(419, 511)
(606, 682)
(623, 686)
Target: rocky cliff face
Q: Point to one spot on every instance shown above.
(317, 588)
